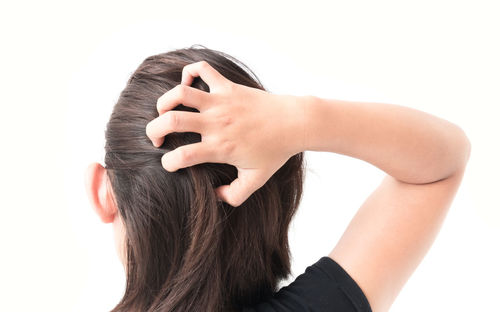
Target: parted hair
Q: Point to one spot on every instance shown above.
(186, 250)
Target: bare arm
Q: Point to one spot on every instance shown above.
(391, 233)
(410, 145)
(424, 157)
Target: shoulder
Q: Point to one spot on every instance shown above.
(324, 286)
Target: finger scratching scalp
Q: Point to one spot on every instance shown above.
(185, 245)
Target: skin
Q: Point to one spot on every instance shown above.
(101, 198)
(256, 131)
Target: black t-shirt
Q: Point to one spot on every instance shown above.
(324, 286)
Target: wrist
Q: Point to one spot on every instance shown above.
(297, 115)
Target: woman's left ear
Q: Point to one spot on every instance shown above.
(100, 193)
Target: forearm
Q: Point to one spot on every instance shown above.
(410, 145)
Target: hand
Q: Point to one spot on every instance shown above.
(252, 129)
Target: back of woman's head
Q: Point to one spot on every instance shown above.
(185, 250)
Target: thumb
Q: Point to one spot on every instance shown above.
(241, 188)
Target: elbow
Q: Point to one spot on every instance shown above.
(459, 151)
(467, 147)
(463, 150)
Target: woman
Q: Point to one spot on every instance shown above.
(203, 174)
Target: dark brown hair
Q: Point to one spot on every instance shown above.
(185, 250)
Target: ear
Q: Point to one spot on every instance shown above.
(100, 193)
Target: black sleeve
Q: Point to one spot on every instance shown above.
(324, 286)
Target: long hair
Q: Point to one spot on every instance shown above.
(185, 250)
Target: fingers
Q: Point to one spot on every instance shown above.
(188, 155)
(203, 70)
(185, 95)
(173, 121)
(241, 188)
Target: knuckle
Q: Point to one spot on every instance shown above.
(230, 199)
(227, 147)
(181, 91)
(185, 156)
(172, 121)
(226, 121)
(235, 201)
(205, 66)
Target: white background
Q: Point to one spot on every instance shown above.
(63, 65)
